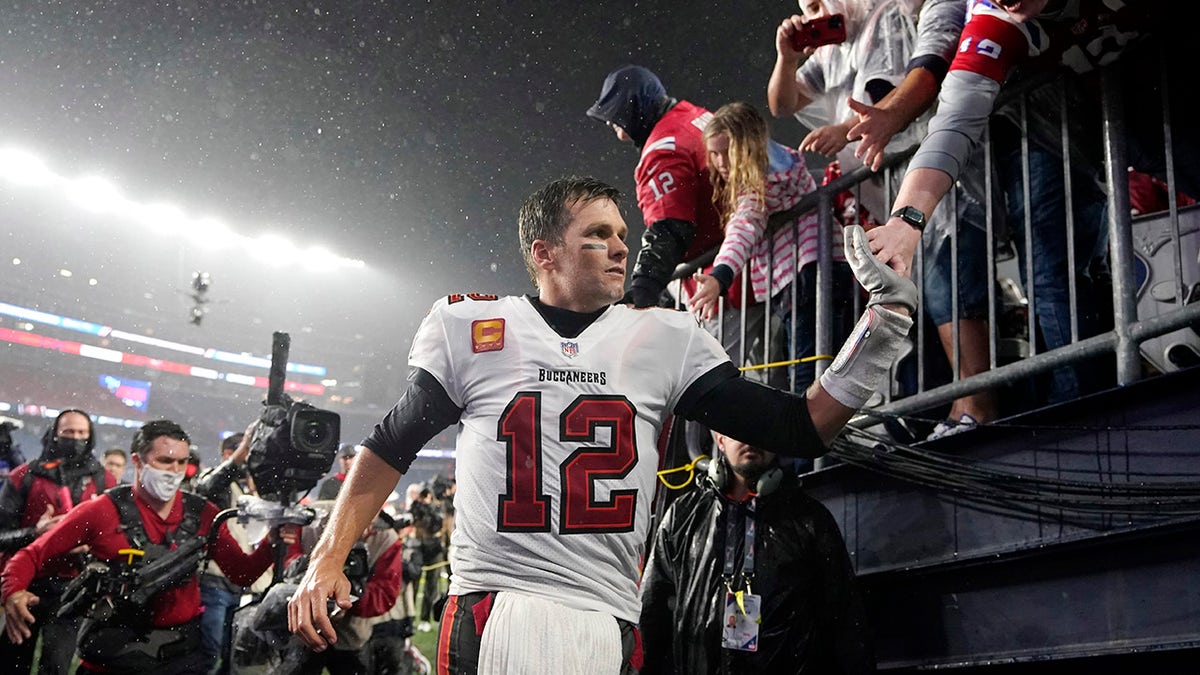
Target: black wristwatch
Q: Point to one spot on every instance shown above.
(911, 215)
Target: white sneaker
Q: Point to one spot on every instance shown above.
(424, 627)
(951, 427)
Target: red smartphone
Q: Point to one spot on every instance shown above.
(827, 30)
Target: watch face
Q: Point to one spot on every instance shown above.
(911, 215)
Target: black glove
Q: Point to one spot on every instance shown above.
(663, 247)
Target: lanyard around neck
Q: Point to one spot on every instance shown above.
(747, 535)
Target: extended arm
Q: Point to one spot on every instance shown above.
(794, 425)
(367, 487)
(24, 564)
(784, 94)
(992, 46)
(746, 227)
(966, 101)
(938, 28)
(875, 125)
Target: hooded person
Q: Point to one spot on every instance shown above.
(34, 497)
(64, 474)
(673, 190)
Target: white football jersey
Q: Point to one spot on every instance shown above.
(557, 443)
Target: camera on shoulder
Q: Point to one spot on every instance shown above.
(292, 447)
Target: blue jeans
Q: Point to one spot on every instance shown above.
(938, 294)
(1049, 254)
(216, 623)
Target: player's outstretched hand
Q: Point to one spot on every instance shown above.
(884, 284)
(308, 613)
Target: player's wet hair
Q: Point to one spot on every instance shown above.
(546, 213)
(152, 430)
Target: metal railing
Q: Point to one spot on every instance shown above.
(1128, 332)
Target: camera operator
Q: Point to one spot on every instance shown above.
(427, 533)
(35, 497)
(374, 630)
(143, 615)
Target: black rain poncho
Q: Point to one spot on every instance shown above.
(812, 616)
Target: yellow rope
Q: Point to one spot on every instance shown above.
(690, 468)
(792, 362)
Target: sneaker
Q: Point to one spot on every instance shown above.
(424, 627)
(951, 427)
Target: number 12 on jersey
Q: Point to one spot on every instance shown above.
(662, 185)
(525, 507)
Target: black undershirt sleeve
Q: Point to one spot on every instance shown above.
(421, 413)
(768, 418)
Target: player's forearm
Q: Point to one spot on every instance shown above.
(772, 419)
(367, 487)
(828, 416)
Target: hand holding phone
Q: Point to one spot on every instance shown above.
(826, 30)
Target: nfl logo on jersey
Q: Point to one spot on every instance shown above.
(570, 349)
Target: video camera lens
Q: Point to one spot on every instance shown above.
(314, 434)
(292, 448)
(314, 430)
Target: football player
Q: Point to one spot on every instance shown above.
(559, 400)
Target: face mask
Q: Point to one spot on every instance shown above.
(162, 485)
(66, 448)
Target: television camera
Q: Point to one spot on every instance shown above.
(293, 443)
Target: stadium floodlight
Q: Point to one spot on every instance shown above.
(23, 168)
(164, 218)
(98, 195)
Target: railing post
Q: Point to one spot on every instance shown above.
(824, 308)
(1120, 235)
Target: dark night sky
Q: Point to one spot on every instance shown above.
(402, 133)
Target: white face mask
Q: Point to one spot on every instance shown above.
(162, 485)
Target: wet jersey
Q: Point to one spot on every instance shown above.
(556, 444)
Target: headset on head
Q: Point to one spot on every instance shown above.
(718, 474)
